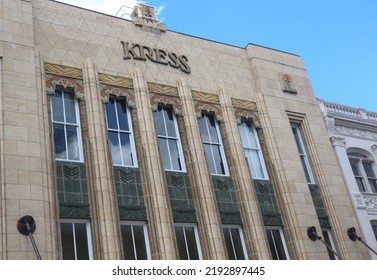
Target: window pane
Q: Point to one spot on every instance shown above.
(218, 159)
(374, 227)
(181, 243)
(279, 244)
(307, 175)
(126, 149)
(159, 120)
(169, 120)
(234, 244)
(72, 142)
(115, 147)
(271, 244)
(57, 107)
(212, 129)
(111, 115)
(360, 184)
(68, 245)
(228, 242)
(355, 168)
(326, 236)
(208, 152)
(128, 244)
(70, 111)
(163, 143)
(237, 243)
(81, 241)
(141, 249)
(122, 115)
(257, 164)
(373, 185)
(59, 140)
(244, 137)
(174, 154)
(368, 170)
(298, 140)
(191, 243)
(203, 129)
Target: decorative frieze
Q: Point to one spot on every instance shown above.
(166, 95)
(207, 102)
(64, 76)
(245, 109)
(117, 86)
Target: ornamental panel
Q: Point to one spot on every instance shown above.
(116, 86)
(167, 95)
(64, 76)
(209, 102)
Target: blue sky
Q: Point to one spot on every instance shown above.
(336, 39)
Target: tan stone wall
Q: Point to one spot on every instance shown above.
(43, 31)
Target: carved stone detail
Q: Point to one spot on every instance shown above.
(338, 141)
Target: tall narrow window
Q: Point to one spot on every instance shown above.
(120, 133)
(188, 242)
(135, 241)
(303, 155)
(76, 240)
(168, 139)
(213, 147)
(252, 150)
(66, 125)
(276, 243)
(363, 170)
(235, 242)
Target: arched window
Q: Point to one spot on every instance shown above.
(363, 168)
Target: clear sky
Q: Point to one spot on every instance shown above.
(336, 39)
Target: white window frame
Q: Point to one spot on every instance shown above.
(177, 139)
(120, 131)
(88, 233)
(65, 124)
(196, 235)
(363, 175)
(258, 149)
(146, 237)
(219, 144)
(306, 164)
(281, 233)
(242, 238)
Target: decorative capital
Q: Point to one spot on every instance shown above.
(338, 141)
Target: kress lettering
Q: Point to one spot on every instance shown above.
(140, 52)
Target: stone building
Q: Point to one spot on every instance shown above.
(125, 140)
(353, 134)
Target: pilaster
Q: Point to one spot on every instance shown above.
(98, 161)
(160, 220)
(253, 227)
(210, 229)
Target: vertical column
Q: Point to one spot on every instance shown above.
(105, 208)
(339, 146)
(253, 226)
(208, 215)
(160, 220)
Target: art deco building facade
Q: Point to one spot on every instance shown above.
(353, 134)
(124, 140)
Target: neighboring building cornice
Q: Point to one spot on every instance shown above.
(356, 118)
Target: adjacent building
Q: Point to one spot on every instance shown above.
(125, 140)
(353, 134)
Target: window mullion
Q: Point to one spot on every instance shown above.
(74, 239)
